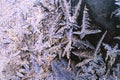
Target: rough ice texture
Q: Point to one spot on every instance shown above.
(18, 19)
(40, 40)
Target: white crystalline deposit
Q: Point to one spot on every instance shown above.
(15, 18)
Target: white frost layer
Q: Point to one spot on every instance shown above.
(15, 17)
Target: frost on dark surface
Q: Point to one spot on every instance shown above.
(88, 53)
(59, 40)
